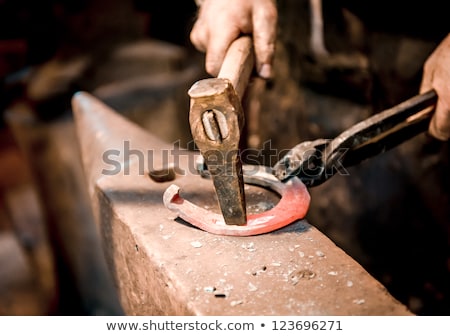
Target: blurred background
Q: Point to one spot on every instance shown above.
(135, 55)
(392, 215)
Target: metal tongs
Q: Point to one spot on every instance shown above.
(314, 162)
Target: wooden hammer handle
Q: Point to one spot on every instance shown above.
(238, 64)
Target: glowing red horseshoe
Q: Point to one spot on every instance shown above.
(293, 205)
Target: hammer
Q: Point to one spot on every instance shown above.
(216, 119)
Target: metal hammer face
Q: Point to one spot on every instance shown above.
(216, 119)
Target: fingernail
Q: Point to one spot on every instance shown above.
(265, 71)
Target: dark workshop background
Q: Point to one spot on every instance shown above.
(391, 214)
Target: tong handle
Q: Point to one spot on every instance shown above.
(238, 64)
(314, 162)
(382, 131)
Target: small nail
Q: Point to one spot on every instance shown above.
(265, 71)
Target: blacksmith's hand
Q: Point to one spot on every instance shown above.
(436, 75)
(220, 22)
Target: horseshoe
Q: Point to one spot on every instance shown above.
(293, 206)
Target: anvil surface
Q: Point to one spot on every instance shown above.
(164, 266)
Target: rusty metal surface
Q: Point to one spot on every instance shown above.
(164, 266)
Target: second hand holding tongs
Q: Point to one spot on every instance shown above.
(314, 162)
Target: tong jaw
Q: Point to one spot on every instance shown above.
(304, 160)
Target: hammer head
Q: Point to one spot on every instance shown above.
(216, 119)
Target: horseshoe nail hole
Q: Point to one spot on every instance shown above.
(165, 174)
(220, 295)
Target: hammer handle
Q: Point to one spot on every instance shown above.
(238, 64)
